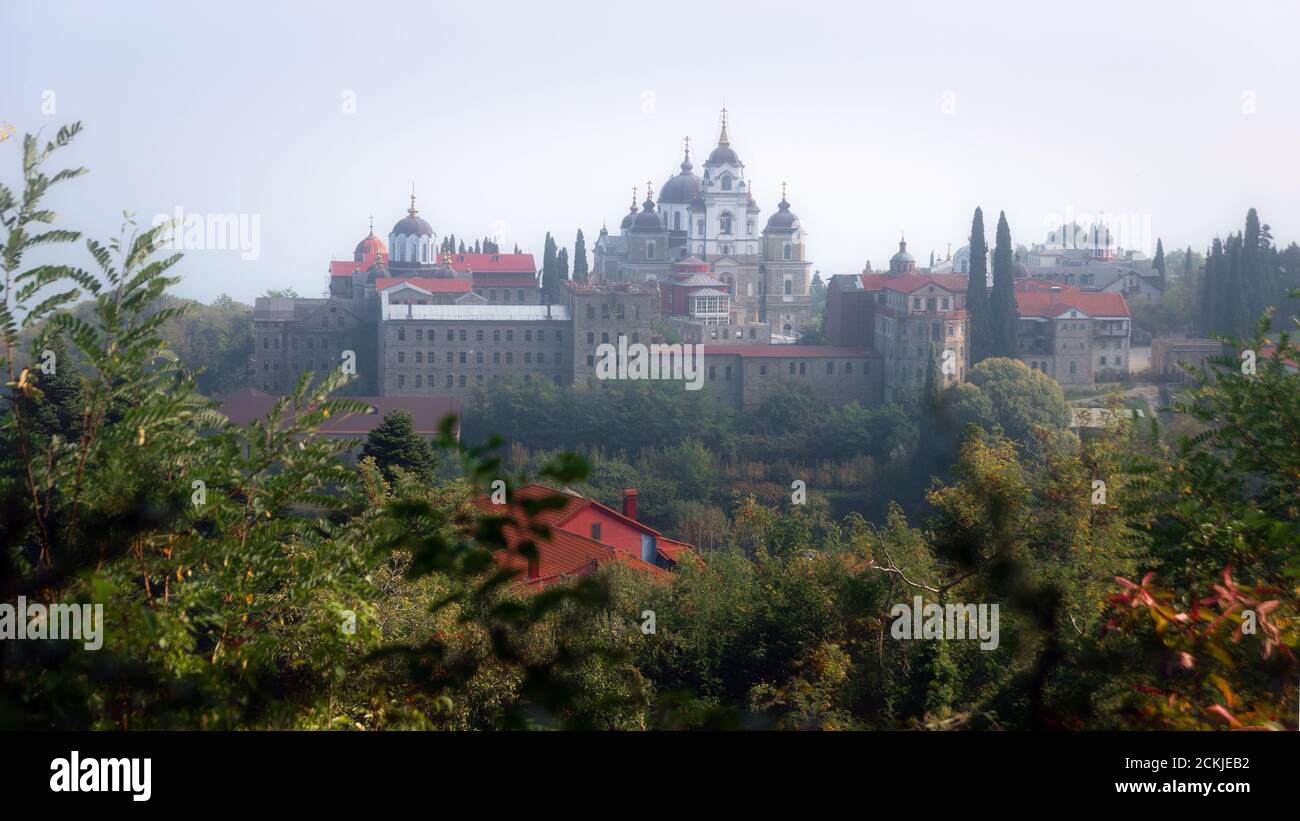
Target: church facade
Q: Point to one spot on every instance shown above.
(713, 219)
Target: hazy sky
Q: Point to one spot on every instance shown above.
(527, 117)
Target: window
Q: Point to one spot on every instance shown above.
(591, 338)
(591, 311)
(541, 358)
(520, 294)
(528, 336)
(724, 222)
(461, 381)
(478, 335)
(492, 295)
(595, 530)
(496, 335)
(401, 381)
(727, 373)
(803, 368)
(830, 368)
(419, 381)
(451, 335)
(792, 369)
(650, 250)
(789, 288)
(510, 336)
(604, 337)
(401, 356)
(401, 334)
(462, 335)
(677, 222)
(419, 357)
(496, 357)
(713, 372)
(478, 357)
(726, 182)
(762, 370)
(507, 295)
(464, 357)
(450, 379)
(787, 251)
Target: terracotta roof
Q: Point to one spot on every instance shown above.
(907, 283)
(1033, 300)
(563, 554)
(426, 411)
(784, 351)
(491, 263)
(344, 267)
(433, 286)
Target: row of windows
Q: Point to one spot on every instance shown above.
(604, 338)
(479, 335)
(479, 357)
(620, 311)
(454, 380)
(505, 294)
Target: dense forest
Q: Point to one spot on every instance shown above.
(252, 578)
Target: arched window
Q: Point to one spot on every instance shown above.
(725, 221)
(650, 250)
(410, 249)
(726, 182)
(787, 251)
(677, 222)
(789, 288)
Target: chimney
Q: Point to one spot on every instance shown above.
(1056, 289)
(629, 503)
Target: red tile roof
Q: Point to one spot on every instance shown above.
(491, 263)
(563, 554)
(435, 286)
(907, 283)
(783, 351)
(344, 267)
(1033, 300)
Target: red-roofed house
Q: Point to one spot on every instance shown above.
(907, 317)
(584, 535)
(1072, 335)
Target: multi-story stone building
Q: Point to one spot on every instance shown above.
(604, 311)
(741, 375)
(1072, 335)
(910, 319)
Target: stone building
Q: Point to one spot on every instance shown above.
(741, 375)
(604, 311)
(1072, 335)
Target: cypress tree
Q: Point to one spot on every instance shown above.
(394, 443)
(580, 257)
(1209, 289)
(1004, 318)
(1159, 262)
(977, 297)
(549, 270)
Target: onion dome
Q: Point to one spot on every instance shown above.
(412, 225)
(902, 261)
(370, 247)
(681, 189)
(784, 219)
(724, 153)
(631, 214)
(647, 220)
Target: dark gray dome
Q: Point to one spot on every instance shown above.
(681, 189)
(412, 224)
(724, 154)
(647, 220)
(784, 219)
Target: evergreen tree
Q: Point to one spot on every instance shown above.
(549, 284)
(1159, 262)
(394, 443)
(977, 298)
(477, 249)
(62, 406)
(461, 249)
(580, 258)
(1003, 316)
(562, 264)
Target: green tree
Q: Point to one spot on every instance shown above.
(1159, 262)
(1004, 318)
(394, 443)
(977, 298)
(61, 406)
(580, 257)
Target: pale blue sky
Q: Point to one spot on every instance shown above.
(539, 116)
